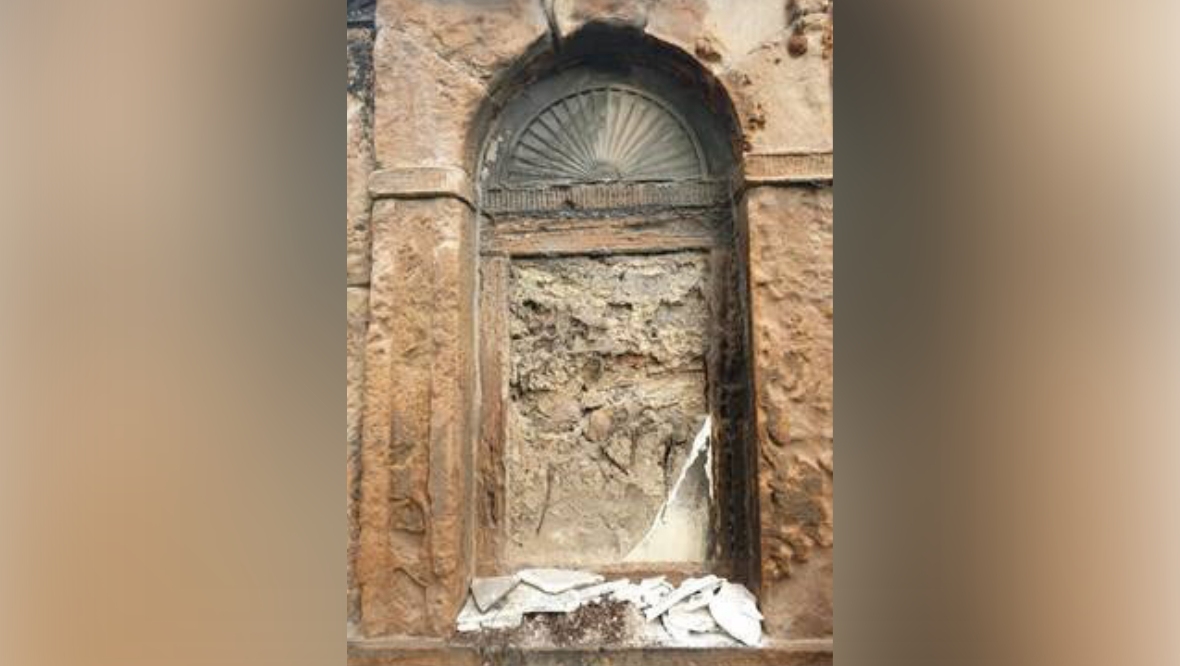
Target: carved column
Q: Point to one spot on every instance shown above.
(787, 208)
(415, 555)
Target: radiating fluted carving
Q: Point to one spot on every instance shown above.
(604, 134)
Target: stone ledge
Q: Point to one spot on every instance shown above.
(421, 183)
(606, 196)
(409, 652)
(772, 168)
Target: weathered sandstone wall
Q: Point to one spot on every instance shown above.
(419, 80)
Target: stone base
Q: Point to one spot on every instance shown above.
(816, 652)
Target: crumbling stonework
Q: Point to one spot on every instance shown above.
(360, 151)
(358, 321)
(608, 388)
(414, 548)
(359, 165)
(791, 293)
(745, 331)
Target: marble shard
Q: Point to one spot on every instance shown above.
(735, 609)
(525, 599)
(488, 591)
(503, 621)
(689, 587)
(680, 526)
(509, 612)
(556, 581)
(679, 634)
(469, 617)
(587, 594)
(698, 600)
(697, 621)
(701, 612)
(653, 590)
(631, 594)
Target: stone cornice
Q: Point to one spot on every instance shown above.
(604, 196)
(784, 168)
(421, 183)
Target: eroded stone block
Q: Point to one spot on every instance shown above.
(479, 39)
(424, 104)
(791, 291)
(359, 162)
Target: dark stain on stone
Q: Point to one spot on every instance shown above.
(360, 64)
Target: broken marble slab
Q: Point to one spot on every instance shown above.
(663, 633)
(735, 609)
(487, 591)
(588, 594)
(689, 587)
(680, 527)
(702, 612)
(631, 594)
(556, 581)
(653, 590)
(509, 612)
(697, 621)
(699, 600)
(527, 599)
(470, 618)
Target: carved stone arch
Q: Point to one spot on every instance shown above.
(608, 54)
(612, 158)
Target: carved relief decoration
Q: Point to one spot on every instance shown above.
(604, 134)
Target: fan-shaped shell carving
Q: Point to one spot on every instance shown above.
(604, 134)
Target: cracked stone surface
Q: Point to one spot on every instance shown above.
(487, 591)
(607, 389)
(555, 581)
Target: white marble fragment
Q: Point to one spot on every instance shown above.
(681, 525)
(702, 612)
(487, 591)
(527, 599)
(678, 633)
(699, 600)
(736, 610)
(469, 617)
(587, 594)
(510, 611)
(653, 590)
(697, 621)
(689, 587)
(556, 581)
(629, 593)
(503, 621)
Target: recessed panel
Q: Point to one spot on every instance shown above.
(607, 392)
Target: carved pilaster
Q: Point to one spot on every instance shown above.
(414, 555)
(791, 309)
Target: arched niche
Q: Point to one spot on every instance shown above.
(613, 317)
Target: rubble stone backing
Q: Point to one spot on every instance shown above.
(434, 64)
(608, 389)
